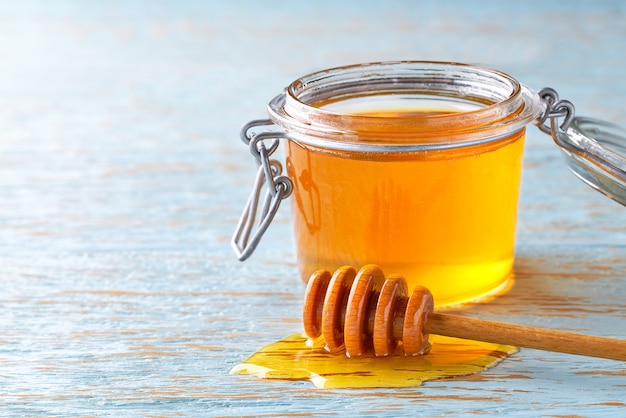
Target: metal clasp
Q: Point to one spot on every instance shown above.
(278, 187)
(554, 108)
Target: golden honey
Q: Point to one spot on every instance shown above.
(413, 166)
(442, 219)
(296, 358)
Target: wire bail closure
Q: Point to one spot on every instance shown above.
(595, 152)
(278, 187)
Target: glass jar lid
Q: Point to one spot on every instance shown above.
(595, 151)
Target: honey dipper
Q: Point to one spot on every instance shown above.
(357, 311)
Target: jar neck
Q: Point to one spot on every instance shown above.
(468, 104)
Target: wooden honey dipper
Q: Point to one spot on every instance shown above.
(357, 311)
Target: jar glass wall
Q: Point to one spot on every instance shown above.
(414, 166)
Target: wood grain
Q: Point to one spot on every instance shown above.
(122, 177)
(525, 336)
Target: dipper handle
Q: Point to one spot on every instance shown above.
(525, 336)
(357, 311)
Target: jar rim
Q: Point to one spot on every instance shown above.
(502, 106)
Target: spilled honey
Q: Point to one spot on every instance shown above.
(442, 218)
(298, 358)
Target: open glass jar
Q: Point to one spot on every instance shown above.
(412, 165)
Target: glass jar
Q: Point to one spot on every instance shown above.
(414, 166)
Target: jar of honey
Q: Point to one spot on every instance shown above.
(414, 166)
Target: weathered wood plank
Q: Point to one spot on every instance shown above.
(122, 176)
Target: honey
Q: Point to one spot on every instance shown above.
(444, 219)
(297, 358)
(413, 166)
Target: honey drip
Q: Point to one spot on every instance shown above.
(329, 304)
(298, 358)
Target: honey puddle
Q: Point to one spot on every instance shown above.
(298, 358)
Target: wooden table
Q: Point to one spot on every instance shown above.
(122, 177)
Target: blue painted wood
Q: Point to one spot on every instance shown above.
(121, 179)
